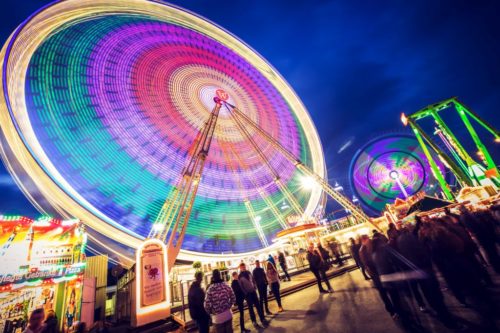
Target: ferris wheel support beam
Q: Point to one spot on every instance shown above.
(248, 204)
(327, 188)
(289, 196)
(264, 197)
(174, 215)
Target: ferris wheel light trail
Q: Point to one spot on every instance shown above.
(308, 183)
(101, 101)
(390, 167)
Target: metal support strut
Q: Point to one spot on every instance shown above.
(173, 218)
(343, 201)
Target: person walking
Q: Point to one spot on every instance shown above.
(240, 299)
(247, 284)
(260, 279)
(317, 267)
(325, 255)
(50, 323)
(35, 322)
(218, 302)
(80, 327)
(365, 255)
(392, 234)
(354, 248)
(334, 247)
(274, 280)
(196, 299)
(418, 260)
(484, 230)
(102, 327)
(284, 268)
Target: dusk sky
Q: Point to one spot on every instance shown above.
(355, 65)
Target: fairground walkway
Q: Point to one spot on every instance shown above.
(355, 307)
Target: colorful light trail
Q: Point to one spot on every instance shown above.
(103, 99)
(390, 167)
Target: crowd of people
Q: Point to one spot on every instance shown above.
(402, 263)
(40, 321)
(251, 287)
(412, 262)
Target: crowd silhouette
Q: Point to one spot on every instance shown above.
(435, 253)
(412, 263)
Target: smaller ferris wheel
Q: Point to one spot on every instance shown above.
(390, 167)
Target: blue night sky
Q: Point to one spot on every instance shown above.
(356, 65)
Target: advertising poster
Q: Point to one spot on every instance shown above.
(153, 279)
(36, 250)
(71, 312)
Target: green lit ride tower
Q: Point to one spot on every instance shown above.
(467, 171)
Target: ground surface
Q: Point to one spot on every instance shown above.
(355, 307)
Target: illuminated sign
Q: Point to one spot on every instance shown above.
(153, 272)
(151, 281)
(55, 272)
(35, 250)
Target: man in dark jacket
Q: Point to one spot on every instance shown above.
(355, 246)
(196, 297)
(365, 255)
(387, 270)
(415, 253)
(50, 323)
(284, 268)
(247, 284)
(316, 266)
(240, 299)
(260, 278)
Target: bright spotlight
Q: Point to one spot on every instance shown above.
(308, 183)
(404, 119)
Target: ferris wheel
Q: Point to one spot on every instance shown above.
(135, 116)
(390, 167)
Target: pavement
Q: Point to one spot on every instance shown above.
(355, 306)
(299, 281)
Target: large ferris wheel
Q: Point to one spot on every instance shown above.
(103, 107)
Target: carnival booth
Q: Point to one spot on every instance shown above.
(42, 265)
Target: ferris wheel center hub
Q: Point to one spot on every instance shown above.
(222, 95)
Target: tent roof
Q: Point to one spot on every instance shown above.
(428, 203)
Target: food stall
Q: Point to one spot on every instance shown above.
(42, 266)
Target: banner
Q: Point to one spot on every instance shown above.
(153, 275)
(152, 300)
(35, 250)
